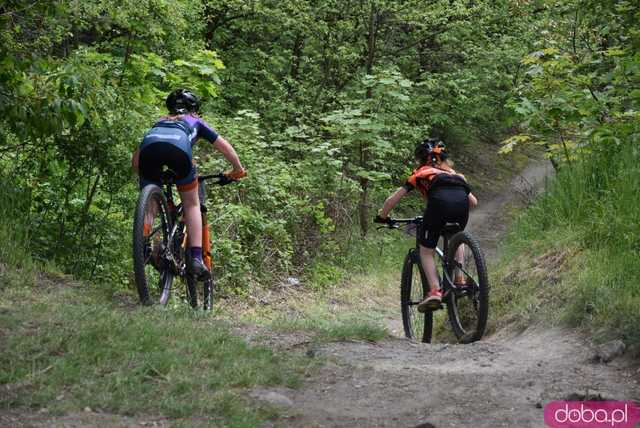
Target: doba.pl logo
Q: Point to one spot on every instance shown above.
(592, 414)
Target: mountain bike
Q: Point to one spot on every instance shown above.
(463, 281)
(160, 243)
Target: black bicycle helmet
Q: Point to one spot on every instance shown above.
(431, 150)
(182, 101)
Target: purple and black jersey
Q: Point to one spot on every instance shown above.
(169, 144)
(183, 132)
(200, 129)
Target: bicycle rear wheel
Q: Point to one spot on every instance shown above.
(468, 301)
(151, 230)
(417, 326)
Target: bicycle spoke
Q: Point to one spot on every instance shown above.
(417, 294)
(155, 230)
(465, 297)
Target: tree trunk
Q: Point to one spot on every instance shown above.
(296, 53)
(364, 197)
(364, 146)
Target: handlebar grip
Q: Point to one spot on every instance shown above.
(236, 175)
(220, 178)
(224, 180)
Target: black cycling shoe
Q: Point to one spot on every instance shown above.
(197, 268)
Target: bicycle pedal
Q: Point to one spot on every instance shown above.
(201, 277)
(432, 309)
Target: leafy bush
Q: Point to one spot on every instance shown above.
(14, 224)
(324, 108)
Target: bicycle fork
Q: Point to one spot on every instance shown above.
(206, 242)
(169, 251)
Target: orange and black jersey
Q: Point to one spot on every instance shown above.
(427, 178)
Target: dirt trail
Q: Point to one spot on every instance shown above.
(502, 381)
(490, 220)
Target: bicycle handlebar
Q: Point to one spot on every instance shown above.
(222, 179)
(394, 222)
(413, 220)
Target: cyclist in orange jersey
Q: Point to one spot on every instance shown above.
(448, 197)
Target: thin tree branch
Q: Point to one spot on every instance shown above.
(21, 10)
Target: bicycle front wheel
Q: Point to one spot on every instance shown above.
(468, 300)
(151, 230)
(207, 293)
(417, 325)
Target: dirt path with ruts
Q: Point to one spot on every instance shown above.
(502, 381)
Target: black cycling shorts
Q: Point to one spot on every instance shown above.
(154, 157)
(444, 205)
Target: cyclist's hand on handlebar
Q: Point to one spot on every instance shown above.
(382, 220)
(235, 174)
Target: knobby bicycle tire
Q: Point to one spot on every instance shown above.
(410, 313)
(482, 291)
(147, 194)
(192, 284)
(192, 287)
(207, 298)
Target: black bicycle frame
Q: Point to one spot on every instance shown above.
(446, 282)
(175, 211)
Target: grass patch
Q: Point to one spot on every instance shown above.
(16, 265)
(351, 305)
(328, 328)
(572, 257)
(68, 349)
(358, 305)
(527, 281)
(371, 256)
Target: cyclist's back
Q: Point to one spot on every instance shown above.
(168, 144)
(448, 198)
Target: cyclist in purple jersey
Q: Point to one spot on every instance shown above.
(168, 144)
(202, 129)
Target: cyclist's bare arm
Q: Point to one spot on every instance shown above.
(473, 201)
(392, 201)
(135, 159)
(230, 154)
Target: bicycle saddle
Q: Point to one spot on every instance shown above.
(168, 176)
(451, 228)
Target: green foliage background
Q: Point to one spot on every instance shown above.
(324, 101)
(580, 102)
